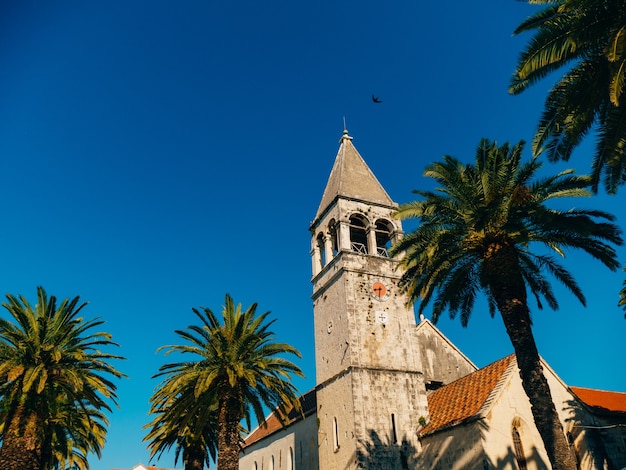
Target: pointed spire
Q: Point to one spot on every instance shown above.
(345, 135)
(351, 178)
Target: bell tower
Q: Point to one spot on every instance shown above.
(370, 382)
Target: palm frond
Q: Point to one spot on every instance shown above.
(481, 208)
(587, 39)
(549, 49)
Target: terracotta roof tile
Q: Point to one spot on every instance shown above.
(608, 401)
(308, 401)
(146, 467)
(465, 397)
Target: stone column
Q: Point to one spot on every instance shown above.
(328, 248)
(344, 236)
(372, 248)
(316, 259)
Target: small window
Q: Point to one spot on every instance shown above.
(335, 435)
(290, 461)
(519, 450)
(394, 431)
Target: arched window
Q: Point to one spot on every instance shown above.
(518, 449)
(384, 234)
(358, 234)
(256, 466)
(271, 463)
(290, 460)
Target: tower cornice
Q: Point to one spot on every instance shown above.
(338, 267)
(392, 206)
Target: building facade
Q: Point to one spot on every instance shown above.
(390, 393)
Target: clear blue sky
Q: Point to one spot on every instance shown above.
(157, 155)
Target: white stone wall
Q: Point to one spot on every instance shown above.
(388, 408)
(592, 454)
(332, 333)
(337, 443)
(376, 426)
(293, 448)
(512, 404)
(487, 443)
(457, 449)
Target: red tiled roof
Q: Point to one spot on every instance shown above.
(610, 401)
(464, 398)
(308, 401)
(142, 466)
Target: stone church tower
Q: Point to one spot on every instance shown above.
(370, 388)
(391, 394)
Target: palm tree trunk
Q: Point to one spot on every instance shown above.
(194, 458)
(21, 449)
(228, 431)
(509, 291)
(517, 323)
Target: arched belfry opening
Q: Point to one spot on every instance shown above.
(320, 249)
(325, 246)
(358, 234)
(333, 235)
(385, 236)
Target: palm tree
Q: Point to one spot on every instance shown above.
(475, 235)
(239, 368)
(587, 38)
(54, 385)
(192, 434)
(73, 430)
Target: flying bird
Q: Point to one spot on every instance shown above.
(376, 99)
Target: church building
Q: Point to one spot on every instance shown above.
(393, 394)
